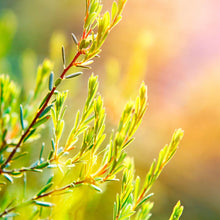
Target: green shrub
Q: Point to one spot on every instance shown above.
(84, 159)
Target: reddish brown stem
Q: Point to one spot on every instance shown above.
(39, 112)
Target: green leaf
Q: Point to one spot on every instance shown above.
(118, 203)
(95, 187)
(4, 134)
(50, 155)
(45, 204)
(45, 188)
(45, 111)
(115, 211)
(63, 56)
(41, 121)
(89, 119)
(100, 140)
(58, 81)
(29, 135)
(136, 188)
(20, 155)
(53, 145)
(144, 199)
(52, 166)
(8, 177)
(106, 20)
(21, 117)
(50, 179)
(114, 10)
(177, 211)
(16, 174)
(44, 100)
(51, 81)
(42, 165)
(90, 20)
(117, 20)
(73, 75)
(59, 129)
(41, 152)
(128, 142)
(144, 211)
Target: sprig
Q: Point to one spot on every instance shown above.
(164, 157)
(57, 113)
(93, 136)
(129, 122)
(88, 46)
(97, 27)
(177, 211)
(81, 125)
(135, 198)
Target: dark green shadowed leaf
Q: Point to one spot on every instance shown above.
(63, 56)
(42, 165)
(21, 117)
(50, 155)
(51, 81)
(53, 144)
(44, 100)
(29, 135)
(45, 188)
(50, 179)
(58, 81)
(45, 111)
(41, 121)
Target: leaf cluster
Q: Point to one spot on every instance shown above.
(97, 26)
(134, 199)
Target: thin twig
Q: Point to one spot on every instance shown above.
(30, 201)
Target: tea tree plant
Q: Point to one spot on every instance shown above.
(84, 152)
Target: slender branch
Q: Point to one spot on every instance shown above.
(73, 63)
(26, 169)
(28, 202)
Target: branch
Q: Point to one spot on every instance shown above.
(73, 63)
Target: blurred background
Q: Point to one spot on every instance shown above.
(174, 47)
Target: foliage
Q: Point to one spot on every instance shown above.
(132, 197)
(84, 149)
